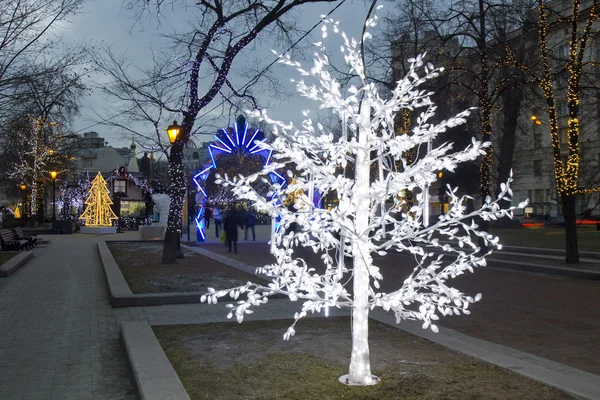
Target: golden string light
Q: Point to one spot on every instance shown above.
(567, 176)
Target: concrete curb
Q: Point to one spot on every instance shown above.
(572, 380)
(521, 266)
(153, 376)
(122, 296)
(12, 265)
(577, 382)
(117, 286)
(249, 269)
(226, 260)
(554, 252)
(540, 269)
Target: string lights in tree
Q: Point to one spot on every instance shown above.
(227, 28)
(238, 142)
(98, 211)
(38, 148)
(122, 173)
(567, 174)
(73, 196)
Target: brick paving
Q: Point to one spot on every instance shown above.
(58, 333)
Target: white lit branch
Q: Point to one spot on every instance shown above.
(371, 216)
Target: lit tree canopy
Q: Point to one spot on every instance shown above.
(371, 217)
(35, 147)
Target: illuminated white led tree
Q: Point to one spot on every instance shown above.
(371, 216)
(98, 211)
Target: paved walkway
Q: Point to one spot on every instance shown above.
(58, 333)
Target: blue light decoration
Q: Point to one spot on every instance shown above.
(233, 141)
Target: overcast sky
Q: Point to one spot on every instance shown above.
(106, 21)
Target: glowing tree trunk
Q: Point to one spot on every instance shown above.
(177, 189)
(360, 366)
(567, 174)
(356, 217)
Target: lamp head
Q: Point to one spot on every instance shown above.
(53, 174)
(173, 131)
(23, 186)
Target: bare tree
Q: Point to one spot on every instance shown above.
(470, 38)
(562, 65)
(26, 31)
(200, 77)
(34, 134)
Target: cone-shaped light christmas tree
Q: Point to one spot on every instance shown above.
(98, 211)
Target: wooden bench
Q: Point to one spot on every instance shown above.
(20, 235)
(9, 242)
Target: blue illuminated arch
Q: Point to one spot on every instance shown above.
(236, 140)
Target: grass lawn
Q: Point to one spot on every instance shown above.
(252, 361)
(548, 237)
(7, 255)
(140, 263)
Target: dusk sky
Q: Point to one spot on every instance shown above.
(108, 22)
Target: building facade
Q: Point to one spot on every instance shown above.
(518, 109)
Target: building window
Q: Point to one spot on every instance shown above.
(539, 195)
(195, 155)
(88, 162)
(564, 135)
(119, 185)
(133, 208)
(537, 167)
(562, 79)
(563, 52)
(537, 138)
(562, 108)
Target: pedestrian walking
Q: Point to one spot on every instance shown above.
(207, 215)
(232, 221)
(249, 223)
(217, 217)
(191, 214)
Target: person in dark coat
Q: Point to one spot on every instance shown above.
(232, 221)
(207, 216)
(250, 222)
(216, 214)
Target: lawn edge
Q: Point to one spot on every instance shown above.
(12, 265)
(153, 376)
(121, 295)
(227, 261)
(574, 381)
(519, 266)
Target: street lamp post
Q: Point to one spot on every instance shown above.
(53, 175)
(23, 187)
(190, 202)
(173, 132)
